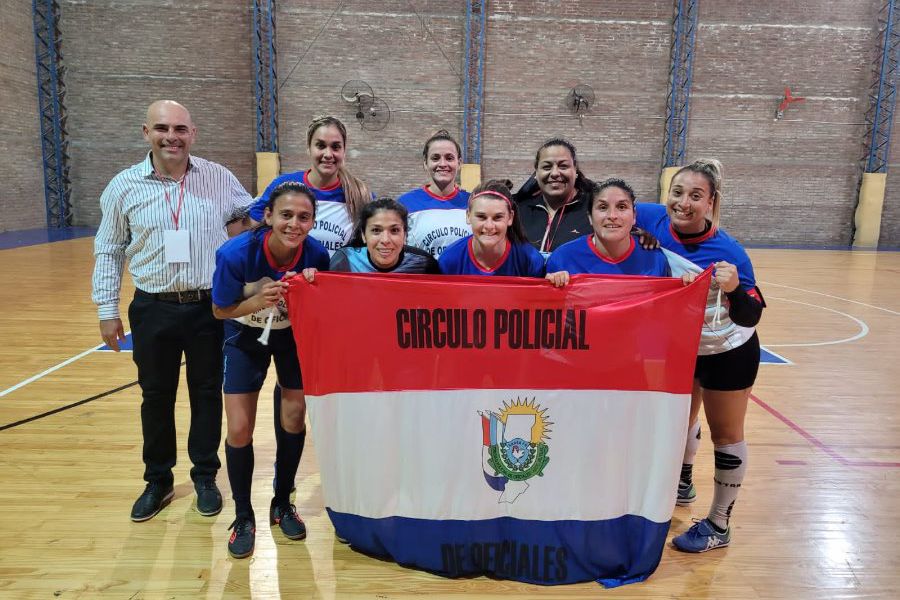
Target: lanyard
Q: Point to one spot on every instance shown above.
(548, 241)
(176, 214)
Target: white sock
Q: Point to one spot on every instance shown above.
(731, 466)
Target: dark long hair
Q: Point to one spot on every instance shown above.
(493, 187)
(530, 188)
(368, 211)
(288, 187)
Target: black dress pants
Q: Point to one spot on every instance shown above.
(161, 332)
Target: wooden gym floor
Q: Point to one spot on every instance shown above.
(818, 516)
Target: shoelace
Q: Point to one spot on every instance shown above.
(241, 526)
(288, 510)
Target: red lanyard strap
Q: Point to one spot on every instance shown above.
(176, 214)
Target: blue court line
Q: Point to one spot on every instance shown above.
(33, 237)
(125, 346)
(769, 357)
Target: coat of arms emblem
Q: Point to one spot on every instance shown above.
(514, 446)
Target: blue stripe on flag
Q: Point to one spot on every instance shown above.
(612, 552)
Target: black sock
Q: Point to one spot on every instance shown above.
(687, 474)
(716, 527)
(287, 459)
(240, 476)
(276, 398)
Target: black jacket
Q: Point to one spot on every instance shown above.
(569, 222)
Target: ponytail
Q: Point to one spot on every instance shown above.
(356, 193)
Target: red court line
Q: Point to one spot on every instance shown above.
(819, 443)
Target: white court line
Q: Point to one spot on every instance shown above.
(68, 361)
(887, 310)
(863, 328)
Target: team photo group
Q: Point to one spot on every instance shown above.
(211, 264)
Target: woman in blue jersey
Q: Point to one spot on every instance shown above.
(437, 210)
(340, 195)
(498, 245)
(688, 225)
(379, 243)
(611, 248)
(247, 293)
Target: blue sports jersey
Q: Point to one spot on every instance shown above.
(435, 221)
(520, 260)
(333, 226)
(581, 256)
(720, 333)
(243, 265)
(703, 251)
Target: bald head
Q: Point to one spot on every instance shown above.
(169, 108)
(170, 131)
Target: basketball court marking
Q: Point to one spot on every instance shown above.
(863, 328)
(887, 310)
(831, 452)
(68, 361)
(68, 406)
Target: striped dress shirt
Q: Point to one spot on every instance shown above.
(135, 215)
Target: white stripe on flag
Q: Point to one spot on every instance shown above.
(420, 454)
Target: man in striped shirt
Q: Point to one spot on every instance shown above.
(167, 215)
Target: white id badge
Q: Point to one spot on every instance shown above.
(177, 243)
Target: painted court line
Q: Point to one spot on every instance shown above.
(863, 328)
(68, 361)
(887, 310)
(834, 454)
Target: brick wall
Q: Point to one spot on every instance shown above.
(22, 194)
(793, 181)
(538, 51)
(789, 182)
(413, 67)
(123, 54)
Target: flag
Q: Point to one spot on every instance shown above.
(471, 425)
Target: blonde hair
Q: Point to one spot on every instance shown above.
(356, 192)
(714, 172)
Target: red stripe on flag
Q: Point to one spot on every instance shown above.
(358, 333)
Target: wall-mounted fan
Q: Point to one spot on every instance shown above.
(580, 99)
(375, 116)
(372, 113)
(357, 90)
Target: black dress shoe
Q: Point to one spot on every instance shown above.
(209, 499)
(155, 497)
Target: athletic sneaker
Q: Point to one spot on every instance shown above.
(701, 537)
(286, 517)
(243, 537)
(686, 494)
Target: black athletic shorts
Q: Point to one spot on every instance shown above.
(732, 370)
(247, 361)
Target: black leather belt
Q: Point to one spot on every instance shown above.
(185, 297)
